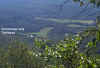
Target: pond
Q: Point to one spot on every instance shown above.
(48, 18)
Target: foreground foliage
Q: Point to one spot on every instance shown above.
(68, 53)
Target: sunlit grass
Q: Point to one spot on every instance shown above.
(65, 20)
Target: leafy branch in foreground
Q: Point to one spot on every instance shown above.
(67, 53)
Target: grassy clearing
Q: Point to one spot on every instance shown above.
(44, 32)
